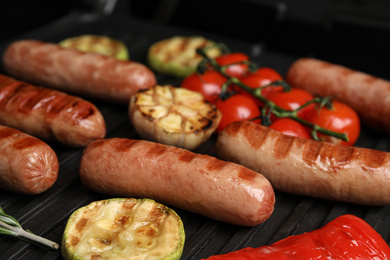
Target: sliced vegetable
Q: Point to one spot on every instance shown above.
(123, 229)
(346, 237)
(98, 44)
(173, 116)
(177, 56)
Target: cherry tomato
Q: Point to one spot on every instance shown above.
(341, 119)
(234, 70)
(208, 83)
(293, 99)
(261, 77)
(290, 127)
(237, 108)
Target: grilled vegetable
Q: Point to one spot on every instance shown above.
(173, 116)
(99, 44)
(177, 56)
(346, 237)
(123, 229)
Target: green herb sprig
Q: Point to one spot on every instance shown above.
(11, 227)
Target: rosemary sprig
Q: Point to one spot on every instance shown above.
(11, 227)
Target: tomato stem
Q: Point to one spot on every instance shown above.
(270, 107)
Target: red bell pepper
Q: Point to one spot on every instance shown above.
(346, 237)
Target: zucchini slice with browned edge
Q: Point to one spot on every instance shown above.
(103, 45)
(177, 56)
(123, 228)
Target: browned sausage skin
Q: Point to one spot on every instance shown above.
(368, 95)
(308, 167)
(27, 164)
(49, 114)
(198, 183)
(69, 70)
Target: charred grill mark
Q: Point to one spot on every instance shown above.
(283, 146)
(95, 144)
(82, 110)
(25, 143)
(333, 158)
(122, 221)
(8, 92)
(30, 97)
(128, 206)
(186, 156)
(246, 174)
(27, 98)
(373, 159)
(125, 144)
(255, 134)
(57, 103)
(7, 132)
(156, 150)
(183, 45)
(215, 164)
(311, 152)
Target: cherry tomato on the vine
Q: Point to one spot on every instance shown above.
(259, 78)
(291, 127)
(341, 119)
(209, 84)
(237, 108)
(234, 70)
(293, 99)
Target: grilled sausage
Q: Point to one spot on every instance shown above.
(49, 114)
(368, 95)
(27, 164)
(81, 73)
(198, 183)
(308, 167)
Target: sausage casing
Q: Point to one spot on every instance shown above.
(308, 167)
(49, 114)
(369, 96)
(82, 73)
(202, 184)
(27, 164)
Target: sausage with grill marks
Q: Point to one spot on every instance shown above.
(27, 164)
(198, 183)
(368, 95)
(308, 167)
(81, 73)
(49, 114)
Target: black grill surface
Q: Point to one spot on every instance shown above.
(46, 214)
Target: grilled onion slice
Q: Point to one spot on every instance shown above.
(176, 56)
(173, 116)
(123, 229)
(98, 44)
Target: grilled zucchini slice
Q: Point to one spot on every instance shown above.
(177, 56)
(173, 116)
(98, 44)
(123, 228)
